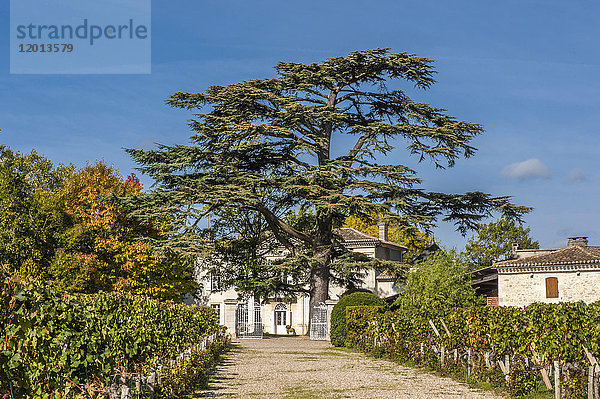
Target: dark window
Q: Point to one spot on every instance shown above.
(280, 317)
(552, 287)
(215, 283)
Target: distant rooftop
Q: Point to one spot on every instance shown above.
(353, 236)
(574, 254)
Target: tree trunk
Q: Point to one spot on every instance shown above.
(319, 281)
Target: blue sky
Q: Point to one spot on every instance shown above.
(526, 70)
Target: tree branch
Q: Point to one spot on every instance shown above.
(277, 224)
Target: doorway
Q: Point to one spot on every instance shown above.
(282, 319)
(248, 320)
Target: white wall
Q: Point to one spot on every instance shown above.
(524, 288)
(385, 289)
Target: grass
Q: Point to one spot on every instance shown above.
(299, 392)
(342, 349)
(302, 392)
(309, 358)
(330, 352)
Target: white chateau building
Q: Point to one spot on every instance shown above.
(273, 315)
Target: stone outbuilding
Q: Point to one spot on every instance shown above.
(550, 275)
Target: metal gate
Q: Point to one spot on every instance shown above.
(318, 322)
(248, 321)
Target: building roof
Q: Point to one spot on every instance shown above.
(427, 252)
(574, 255)
(350, 234)
(386, 275)
(485, 281)
(353, 236)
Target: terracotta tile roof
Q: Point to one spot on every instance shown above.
(575, 255)
(350, 235)
(386, 275)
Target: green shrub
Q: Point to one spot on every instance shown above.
(438, 283)
(338, 314)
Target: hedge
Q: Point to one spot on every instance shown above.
(55, 345)
(338, 314)
(479, 338)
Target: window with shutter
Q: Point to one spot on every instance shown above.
(551, 287)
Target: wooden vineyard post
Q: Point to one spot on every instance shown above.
(469, 362)
(591, 382)
(592, 386)
(445, 328)
(435, 330)
(557, 380)
(504, 367)
(543, 371)
(125, 392)
(442, 355)
(152, 382)
(443, 347)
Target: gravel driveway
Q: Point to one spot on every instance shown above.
(298, 368)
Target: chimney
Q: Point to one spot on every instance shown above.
(515, 248)
(581, 241)
(383, 231)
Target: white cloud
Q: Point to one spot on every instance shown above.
(576, 175)
(527, 170)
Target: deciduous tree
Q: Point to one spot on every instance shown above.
(104, 249)
(436, 284)
(30, 214)
(493, 242)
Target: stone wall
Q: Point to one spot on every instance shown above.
(385, 289)
(524, 288)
